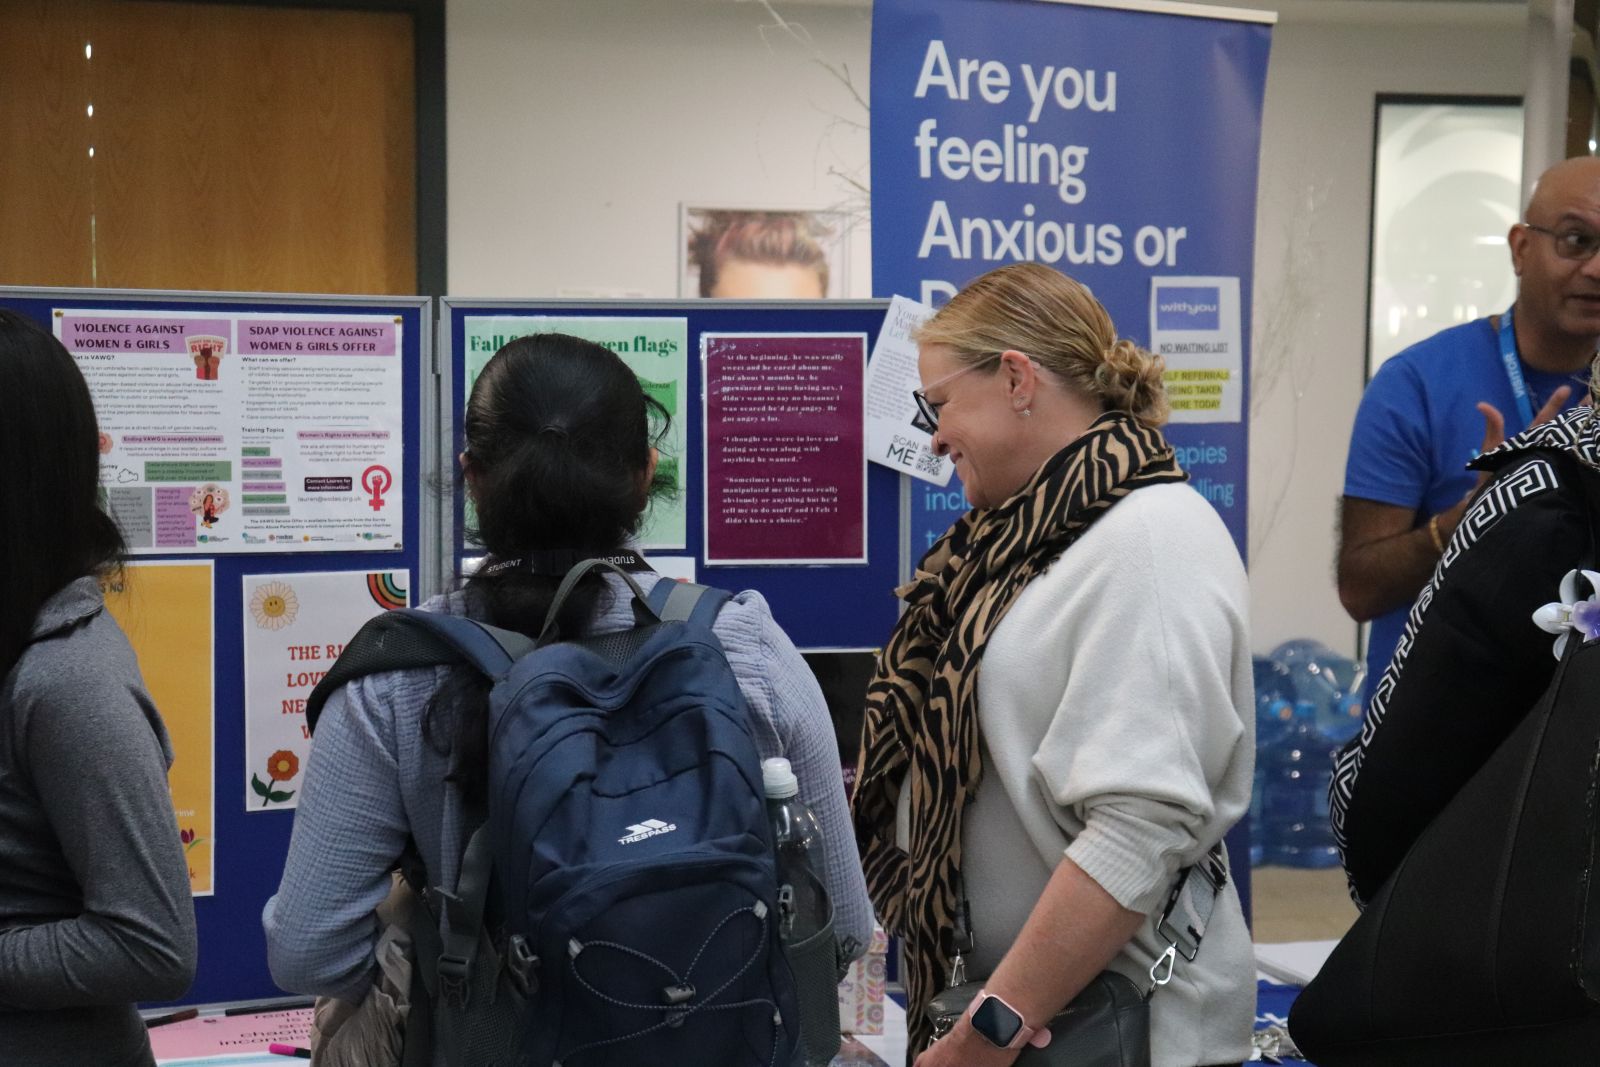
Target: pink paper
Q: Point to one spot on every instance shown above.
(214, 1035)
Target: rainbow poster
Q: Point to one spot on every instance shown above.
(295, 626)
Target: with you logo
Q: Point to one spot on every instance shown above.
(1195, 307)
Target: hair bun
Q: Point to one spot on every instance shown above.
(1130, 380)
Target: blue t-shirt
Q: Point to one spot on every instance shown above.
(1417, 428)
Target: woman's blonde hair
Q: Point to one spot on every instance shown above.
(1046, 315)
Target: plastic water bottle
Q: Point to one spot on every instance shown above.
(1258, 844)
(1274, 719)
(805, 915)
(797, 836)
(1344, 719)
(1274, 700)
(1330, 681)
(1296, 829)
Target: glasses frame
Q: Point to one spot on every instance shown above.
(927, 410)
(1560, 254)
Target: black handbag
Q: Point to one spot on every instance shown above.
(1108, 1023)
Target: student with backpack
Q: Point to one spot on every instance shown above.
(559, 464)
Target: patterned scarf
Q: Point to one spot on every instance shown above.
(921, 728)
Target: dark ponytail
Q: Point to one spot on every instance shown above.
(558, 433)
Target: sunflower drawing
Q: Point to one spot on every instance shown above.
(273, 605)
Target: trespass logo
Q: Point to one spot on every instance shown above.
(1188, 308)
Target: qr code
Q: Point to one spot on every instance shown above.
(928, 463)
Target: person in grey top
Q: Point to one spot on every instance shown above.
(559, 463)
(95, 908)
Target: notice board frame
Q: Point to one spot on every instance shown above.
(830, 606)
(250, 846)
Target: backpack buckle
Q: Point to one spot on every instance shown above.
(453, 974)
(521, 964)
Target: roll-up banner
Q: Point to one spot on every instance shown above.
(1117, 142)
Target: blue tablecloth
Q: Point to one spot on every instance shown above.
(1272, 1006)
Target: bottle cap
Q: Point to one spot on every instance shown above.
(778, 778)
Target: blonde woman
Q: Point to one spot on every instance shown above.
(1062, 720)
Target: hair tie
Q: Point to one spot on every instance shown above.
(554, 430)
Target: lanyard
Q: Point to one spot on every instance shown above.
(1513, 366)
(556, 562)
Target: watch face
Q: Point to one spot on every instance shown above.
(996, 1022)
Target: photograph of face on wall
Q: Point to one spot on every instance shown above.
(759, 254)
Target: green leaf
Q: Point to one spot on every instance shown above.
(255, 783)
(279, 798)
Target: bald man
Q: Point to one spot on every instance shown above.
(1438, 404)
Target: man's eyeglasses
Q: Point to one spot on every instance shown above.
(1572, 242)
(928, 412)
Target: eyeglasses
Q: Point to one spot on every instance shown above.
(927, 411)
(1572, 242)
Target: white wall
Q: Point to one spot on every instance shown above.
(1329, 62)
(576, 127)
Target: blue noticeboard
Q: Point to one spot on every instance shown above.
(250, 847)
(829, 606)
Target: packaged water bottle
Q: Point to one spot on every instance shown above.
(1274, 714)
(805, 915)
(1296, 828)
(1330, 681)
(1258, 846)
(1274, 700)
(1344, 721)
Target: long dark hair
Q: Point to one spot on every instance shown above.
(52, 528)
(558, 433)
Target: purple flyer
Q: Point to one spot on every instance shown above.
(785, 449)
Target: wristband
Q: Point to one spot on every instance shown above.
(1433, 535)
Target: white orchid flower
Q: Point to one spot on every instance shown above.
(1570, 613)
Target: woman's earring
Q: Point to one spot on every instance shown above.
(1025, 412)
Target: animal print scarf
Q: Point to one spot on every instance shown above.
(921, 729)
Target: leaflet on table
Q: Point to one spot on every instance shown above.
(897, 436)
(786, 475)
(166, 611)
(656, 350)
(230, 1040)
(1195, 327)
(295, 626)
(245, 432)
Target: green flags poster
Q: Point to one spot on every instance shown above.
(656, 349)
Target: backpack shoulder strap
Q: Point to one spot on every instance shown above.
(674, 601)
(410, 638)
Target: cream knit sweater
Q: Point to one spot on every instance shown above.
(1117, 712)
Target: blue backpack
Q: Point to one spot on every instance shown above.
(626, 857)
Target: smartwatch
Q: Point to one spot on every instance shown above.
(1002, 1025)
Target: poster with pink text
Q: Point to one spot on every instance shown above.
(785, 461)
(245, 432)
(295, 626)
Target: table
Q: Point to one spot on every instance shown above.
(217, 1040)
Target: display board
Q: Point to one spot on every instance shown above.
(783, 405)
(259, 453)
